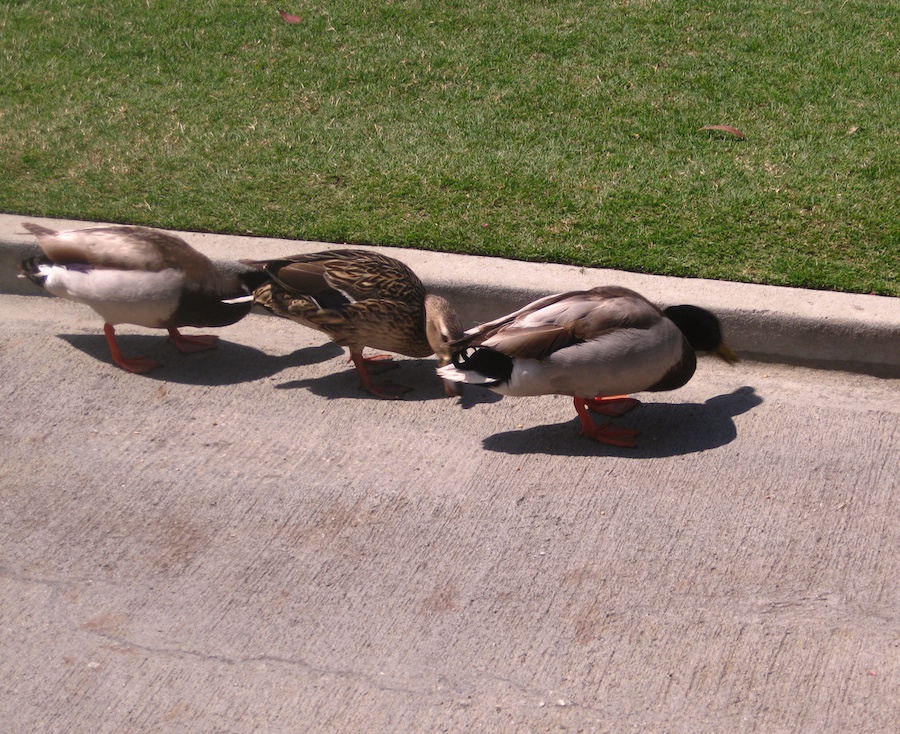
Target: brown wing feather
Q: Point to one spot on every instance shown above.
(364, 274)
(536, 342)
(358, 274)
(302, 277)
(118, 247)
(121, 247)
(555, 322)
(359, 298)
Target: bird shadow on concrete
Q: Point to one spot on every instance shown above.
(667, 429)
(418, 374)
(229, 363)
(471, 396)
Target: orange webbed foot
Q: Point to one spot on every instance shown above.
(376, 363)
(605, 432)
(611, 435)
(136, 365)
(613, 406)
(191, 344)
(386, 390)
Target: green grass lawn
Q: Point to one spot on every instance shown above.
(552, 131)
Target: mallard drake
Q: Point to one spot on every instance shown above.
(596, 345)
(142, 276)
(361, 299)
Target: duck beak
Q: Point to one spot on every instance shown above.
(724, 353)
(450, 387)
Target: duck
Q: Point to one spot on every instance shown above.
(596, 345)
(141, 276)
(362, 298)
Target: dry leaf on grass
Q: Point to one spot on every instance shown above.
(725, 129)
(288, 18)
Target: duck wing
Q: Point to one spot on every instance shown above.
(336, 278)
(308, 281)
(133, 251)
(118, 248)
(556, 322)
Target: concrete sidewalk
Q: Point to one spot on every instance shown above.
(814, 328)
(244, 541)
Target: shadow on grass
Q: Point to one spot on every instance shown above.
(667, 429)
(228, 364)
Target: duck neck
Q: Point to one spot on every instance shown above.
(442, 326)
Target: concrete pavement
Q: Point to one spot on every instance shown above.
(243, 541)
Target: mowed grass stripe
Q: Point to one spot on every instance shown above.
(564, 132)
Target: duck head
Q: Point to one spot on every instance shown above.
(702, 330)
(442, 326)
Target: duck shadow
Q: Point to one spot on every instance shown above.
(418, 374)
(667, 429)
(229, 363)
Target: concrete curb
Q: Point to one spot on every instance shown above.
(853, 332)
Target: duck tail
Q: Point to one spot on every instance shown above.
(478, 366)
(35, 269)
(452, 373)
(253, 278)
(38, 231)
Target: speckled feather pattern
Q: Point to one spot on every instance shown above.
(382, 305)
(363, 275)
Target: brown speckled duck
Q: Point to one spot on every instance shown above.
(361, 298)
(142, 276)
(596, 345)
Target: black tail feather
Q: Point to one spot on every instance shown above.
(253, 278)
(30, 268)
(485, 361)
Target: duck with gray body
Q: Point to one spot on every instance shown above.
(596, 345)
(141, 276)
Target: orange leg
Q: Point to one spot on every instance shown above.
(604, 433)
(190, 344)
(614, 405)
(132, 364)
(452, 389)
(376, 363)
(387, 390)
